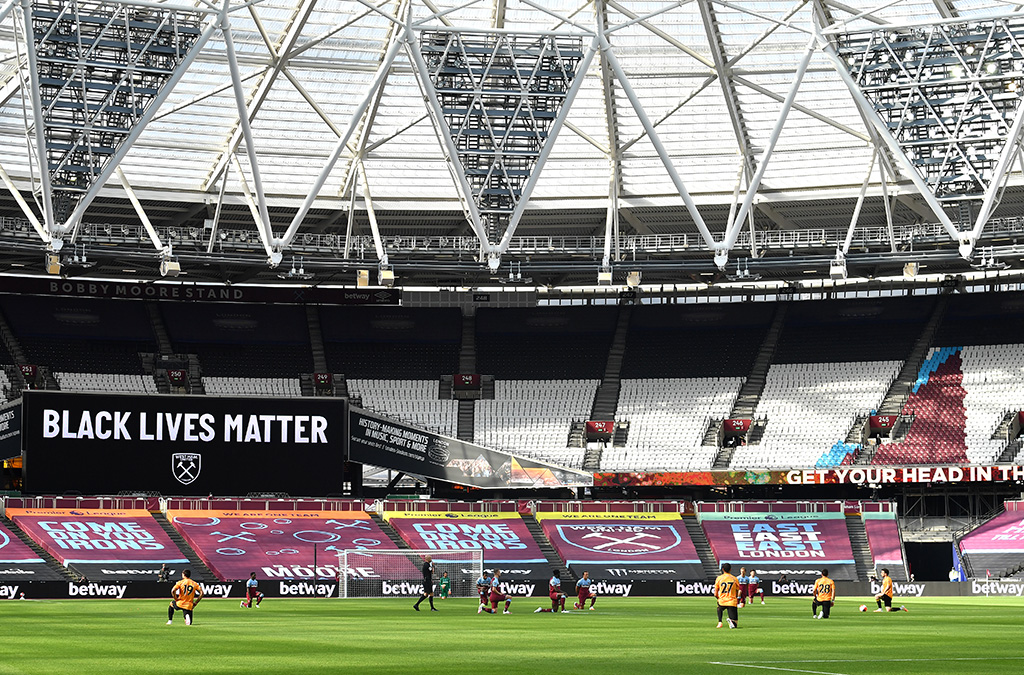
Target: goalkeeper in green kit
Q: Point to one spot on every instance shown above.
(444, 586)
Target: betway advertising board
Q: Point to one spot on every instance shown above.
(385, 442)
(182, 445)
(503, 538)
(850, 594)
(99, 543)
(281, 545)
(623, 545)
(797, 545)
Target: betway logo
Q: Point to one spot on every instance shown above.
(215, 590)
(403, 588)
(128, 572)
(605, 588)
(97, 590)
(9, 592)
(793, 588)
(521, 590)
(306, 588)
(696, 588)
(978, 587)
(914, 590)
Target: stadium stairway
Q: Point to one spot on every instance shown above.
(163, 340)
(466, 421)
(60, 572)
(700, 542)
(753, 385)
(387, 529)
(316, 339)
(195, 376)
(862, 558)
(554, 560)
(1009, 455)
(606, 398)
(199, 569)
(12, 343)
(467, 352)
(898, 393)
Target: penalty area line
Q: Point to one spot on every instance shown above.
(763, 667)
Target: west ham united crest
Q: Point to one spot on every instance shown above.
(185, 466)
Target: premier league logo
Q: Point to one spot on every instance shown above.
(185, 466)
(621, 540)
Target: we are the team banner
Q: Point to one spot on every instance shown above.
(791, 544)
(624, 545)
(287, 544)
(95, 540)
(503, 538)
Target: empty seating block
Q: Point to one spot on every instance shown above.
(412, 401)
(83, 335)
(106, 382)
(993, 382)
(810, 406)
(544, 343)
(937, 434)
(392, 343)
(719, 340)
(253, 386)
(667, 421)
(533, 417)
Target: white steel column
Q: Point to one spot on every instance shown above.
(545, 151)
(999, 173)
(860, 203)
(129, 141)
(454, 165)
(25, 208)
(263, 222)
(46, 189)
(966, 246)
(608, 53)
(722, 253)
(378, 81)
(150, 230)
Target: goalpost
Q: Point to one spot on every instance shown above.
(366, 573)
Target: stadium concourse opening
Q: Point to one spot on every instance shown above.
(784, 437)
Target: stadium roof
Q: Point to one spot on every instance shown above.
(711, 76)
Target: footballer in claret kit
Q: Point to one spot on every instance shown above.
(585, 591)
(496, 597)
(556, 595)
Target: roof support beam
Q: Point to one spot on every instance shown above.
(141, 212)
(611, 229)
(263, 213)
(732, 104)
(298, 23)
(378, 81)
(133, 135)
(652, 133)
(966, 247)
(29, 213)
(722, 252)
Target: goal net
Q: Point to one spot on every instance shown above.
(399, 573)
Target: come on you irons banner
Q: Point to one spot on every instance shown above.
(97, 542)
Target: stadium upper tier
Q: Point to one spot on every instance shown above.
(669, 375)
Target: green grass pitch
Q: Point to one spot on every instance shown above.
(633, 636)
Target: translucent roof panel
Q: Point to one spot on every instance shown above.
(306, 71)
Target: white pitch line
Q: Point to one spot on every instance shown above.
(788, 670)
(952, 658)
